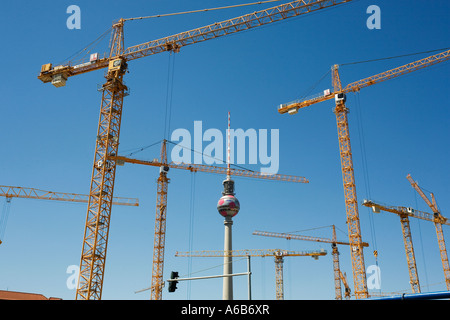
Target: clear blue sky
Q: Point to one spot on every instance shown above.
(400, 126)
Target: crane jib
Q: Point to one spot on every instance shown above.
(175, 42)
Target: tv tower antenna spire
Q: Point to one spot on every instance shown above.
(228, 206)
(228, 147)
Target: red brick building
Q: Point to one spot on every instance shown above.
(13, 295)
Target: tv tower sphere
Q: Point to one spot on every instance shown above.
(228, 205)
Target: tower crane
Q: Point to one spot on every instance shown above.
(351, 204)
(405, 213)
(208, 168)
(33, 193)
(438, 220)
(347, 291)
(278, 255)
(161, 203)
(334, 249)
(95, 240)
(10, 192)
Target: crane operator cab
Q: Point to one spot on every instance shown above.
(340, 97)
(117, 64)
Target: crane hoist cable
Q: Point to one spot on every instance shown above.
(310, 229)
(313, 87)
(199, 152)
(201, 10)
(69, 60)
(363, 153)
(365, 169)
(421, 244)
(4, 217)
(393, 57)
(169, 94)
(191, 229)
(140, 149)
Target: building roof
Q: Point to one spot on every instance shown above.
(14, 295)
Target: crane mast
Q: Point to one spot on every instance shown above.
(95, 239)
(98, 216)
(348, 179)
(336, 266)
(347, 288)
(279, 284)
(160, 228)
(410, 256)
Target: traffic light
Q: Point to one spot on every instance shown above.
(173, 284)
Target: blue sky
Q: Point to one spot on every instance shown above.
(396, 127)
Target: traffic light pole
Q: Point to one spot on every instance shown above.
(210, 277)
(219, 276)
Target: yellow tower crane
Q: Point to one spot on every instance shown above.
(347, 291)
(161, 203)
(351, 204)
(438, 220)
(405, 213)
(278, 255)
(335, 252)
(95, 240)
(10, 192)
(33, 193)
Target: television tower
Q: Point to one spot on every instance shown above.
(228, 206)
